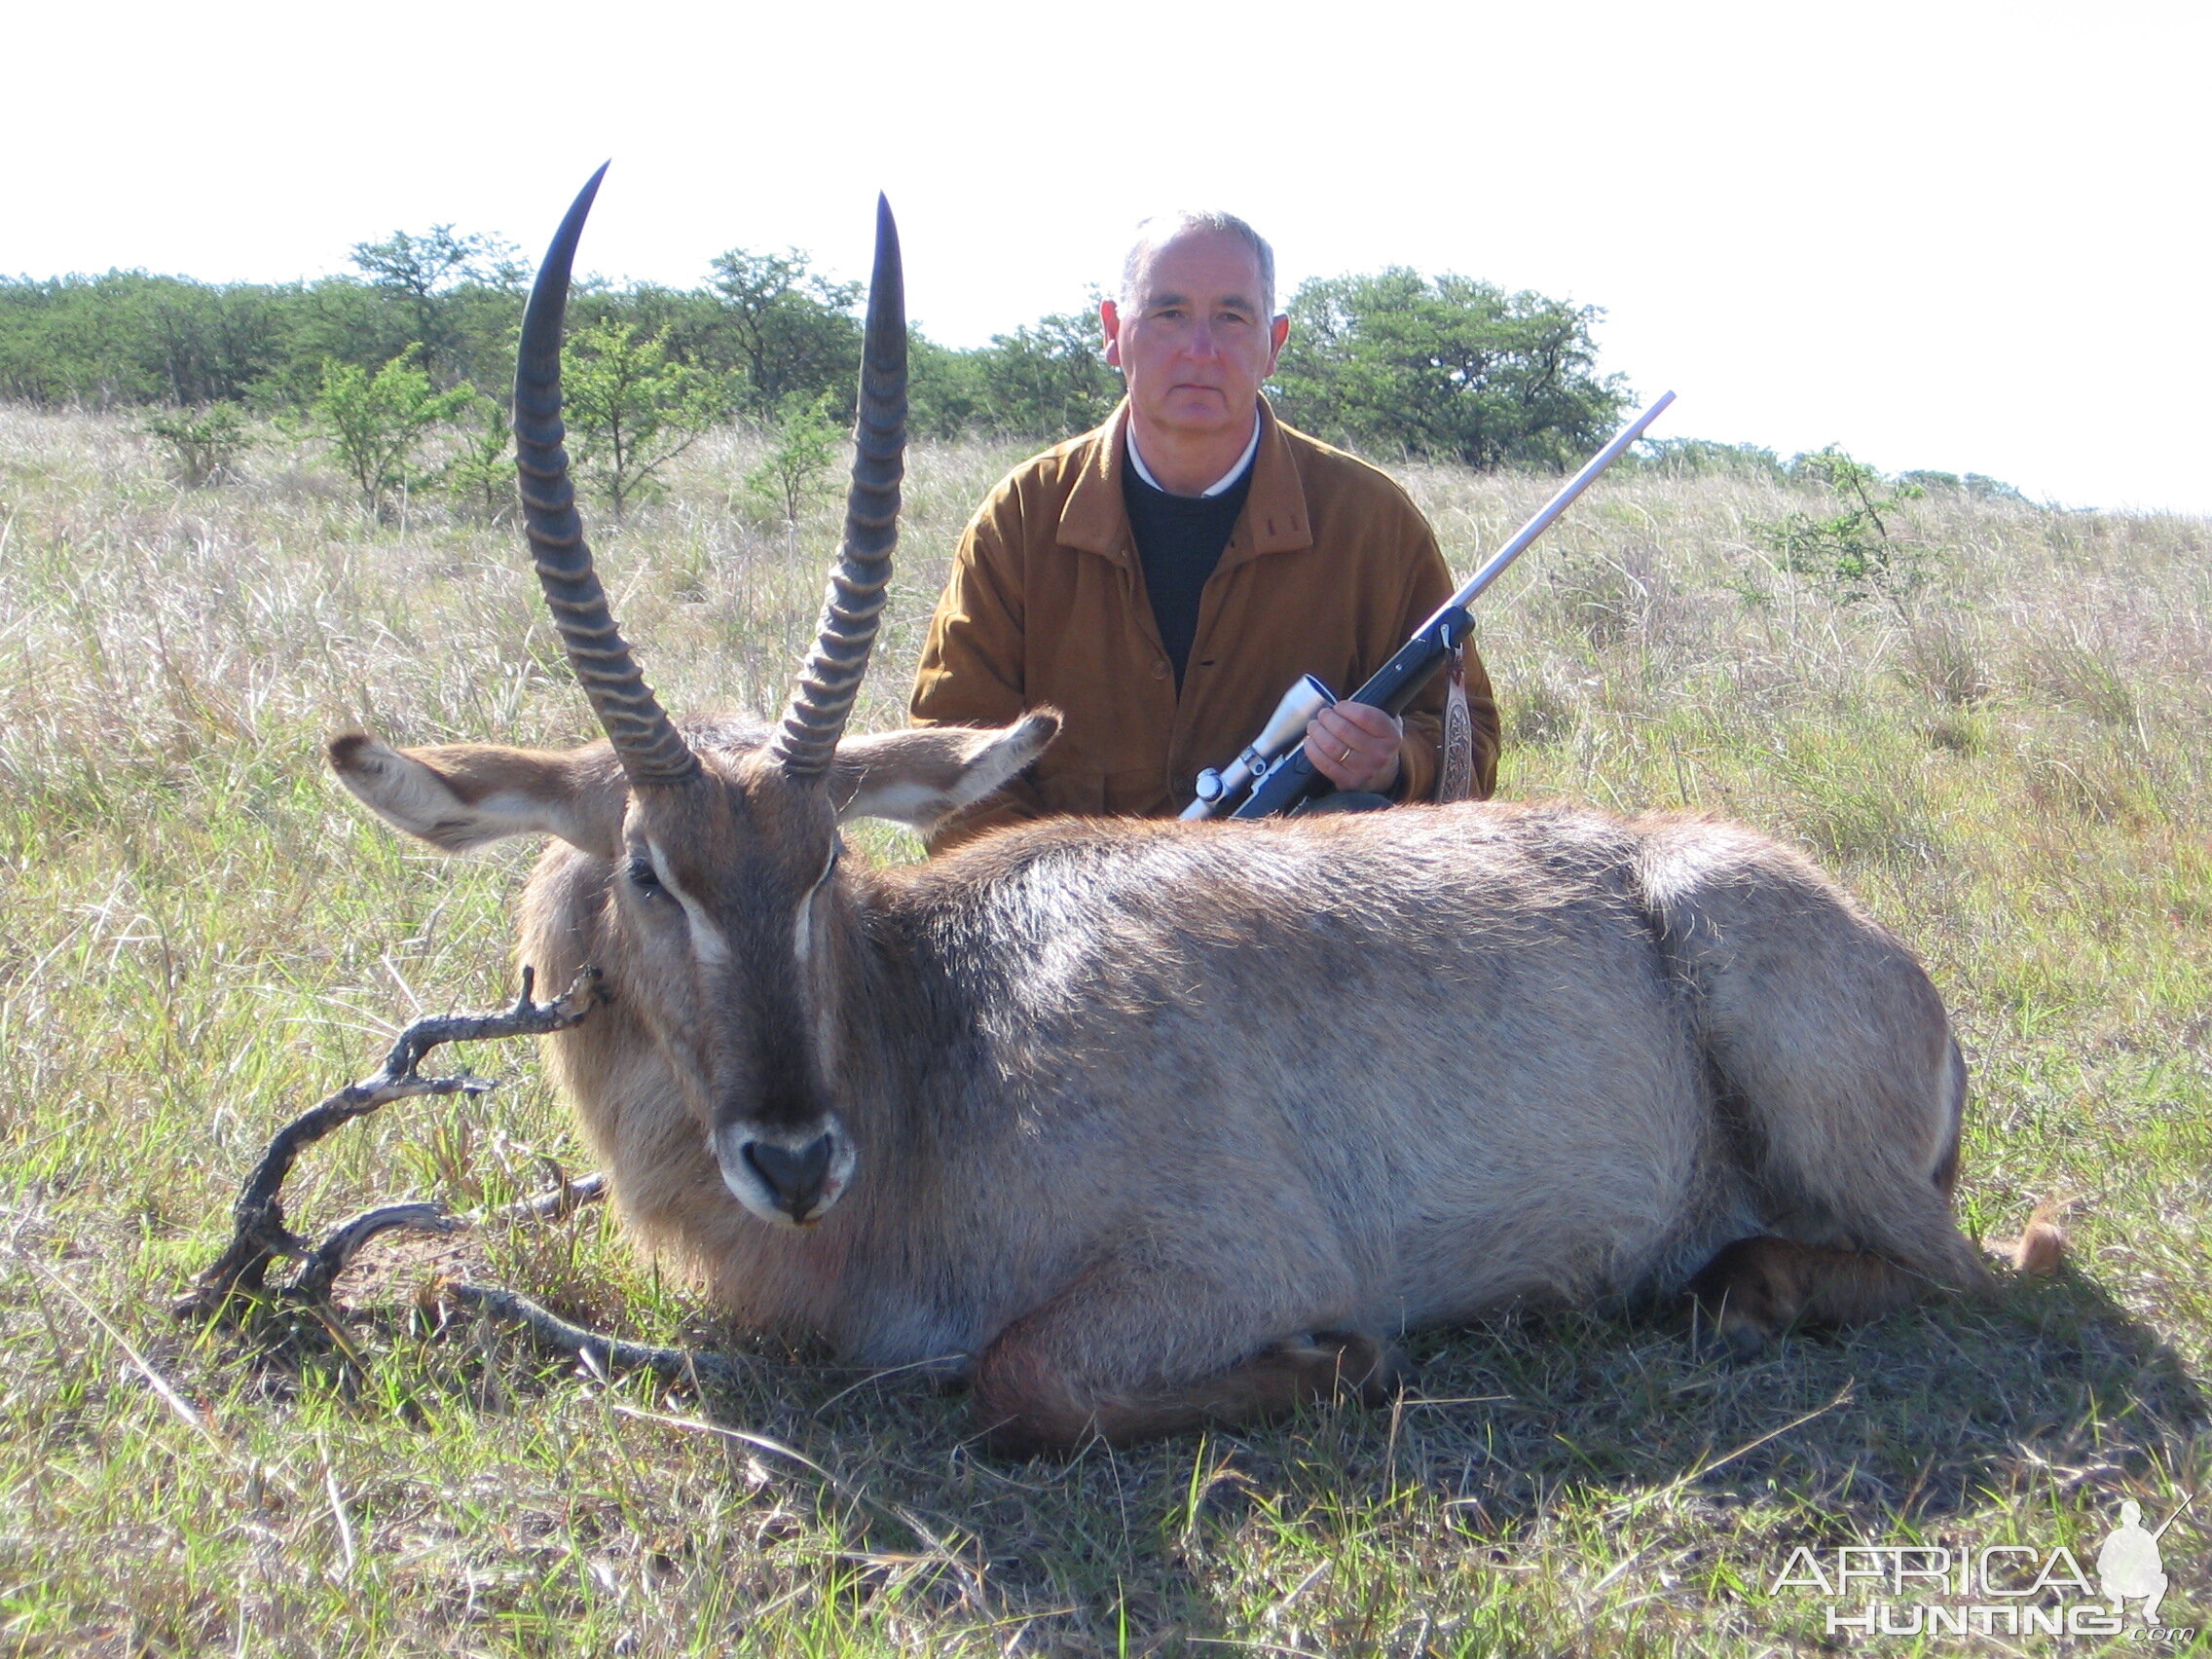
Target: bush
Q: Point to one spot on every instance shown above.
(788, 331)
(1977, 485)
(376, 422)
(1703, 457)
(203, 445)
(630, 409)
(1853, 550)
(481, 477)
(805, 450)
(1046, 380)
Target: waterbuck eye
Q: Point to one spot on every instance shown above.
(643, 877)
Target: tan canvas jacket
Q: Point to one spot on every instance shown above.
(1327, 571)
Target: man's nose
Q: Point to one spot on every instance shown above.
(1200, 341)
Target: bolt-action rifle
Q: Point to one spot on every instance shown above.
(1274, 769)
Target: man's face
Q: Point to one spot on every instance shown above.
(1193, 343)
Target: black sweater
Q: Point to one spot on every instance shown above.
(1179, 540)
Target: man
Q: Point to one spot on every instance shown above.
(1162, 580)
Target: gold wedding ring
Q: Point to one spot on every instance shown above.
(1346, 756)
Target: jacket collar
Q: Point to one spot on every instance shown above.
(1095, 518)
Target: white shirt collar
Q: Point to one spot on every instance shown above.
(1220, 484)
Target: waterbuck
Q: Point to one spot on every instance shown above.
(1143, 1126)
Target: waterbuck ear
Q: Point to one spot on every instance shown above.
(462, 795)
(917, 777)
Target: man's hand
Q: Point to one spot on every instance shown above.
(1356, 746)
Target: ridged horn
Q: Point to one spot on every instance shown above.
(830, 677)
(650, 746)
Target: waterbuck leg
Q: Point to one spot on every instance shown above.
(1129, 1354)
(1028, 1406)
(1755, 1289)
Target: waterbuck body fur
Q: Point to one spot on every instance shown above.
(1142, 1125)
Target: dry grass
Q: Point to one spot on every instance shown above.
(197, 936)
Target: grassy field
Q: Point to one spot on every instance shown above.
(200, 936)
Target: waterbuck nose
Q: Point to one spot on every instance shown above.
(794, 1177)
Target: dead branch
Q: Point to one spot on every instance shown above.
(238, 1279)
(563, 1199)
(259, 1234)
(602, 1354)
(329, 1259)
(238, 1282)
(344, 1241)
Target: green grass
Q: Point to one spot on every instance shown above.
(199, 936)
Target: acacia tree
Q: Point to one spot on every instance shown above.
(1448, 367)
(794, 330)
(427, 274)
(630, 409)
(1049, 378)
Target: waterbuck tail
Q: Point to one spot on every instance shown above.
(830, 677)
(650, 749)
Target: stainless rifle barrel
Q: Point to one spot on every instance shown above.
(1552, 508)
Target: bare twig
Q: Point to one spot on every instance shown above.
(563, 1199)
(260, 1235)
(239, 1276)
(345, 1241)
(694, 1366)
(329, 1259)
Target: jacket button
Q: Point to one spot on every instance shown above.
(1160, 671)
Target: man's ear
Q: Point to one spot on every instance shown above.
(918, 777)
(463, 794)
(1110, 324)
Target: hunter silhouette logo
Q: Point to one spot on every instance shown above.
(1876, 1590)
(2130, 1566)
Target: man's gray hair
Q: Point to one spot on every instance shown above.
(1163, 228)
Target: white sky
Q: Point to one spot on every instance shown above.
(1947, 235)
